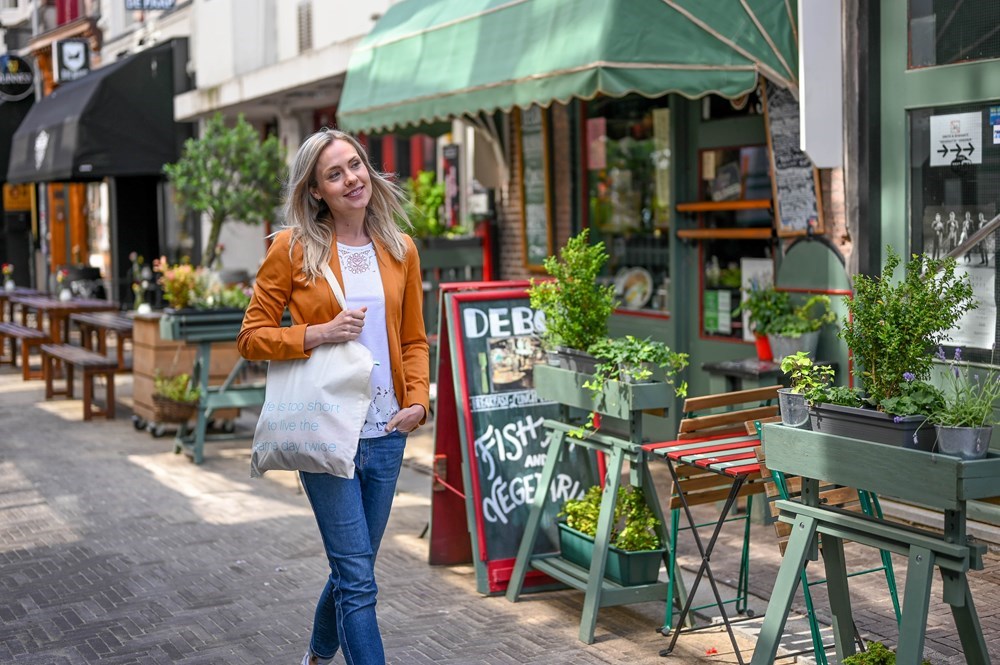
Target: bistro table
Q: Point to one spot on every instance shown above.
(7, 305)
(759, 372)
(58, 312)
(97, 325)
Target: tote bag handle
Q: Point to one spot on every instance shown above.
(335, 286)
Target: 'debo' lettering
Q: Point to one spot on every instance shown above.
(502, 322)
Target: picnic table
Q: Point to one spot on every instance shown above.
(7, 306)
(58, 312)
(94, 328)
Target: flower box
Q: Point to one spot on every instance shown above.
(197, 325)
(625, 568)
(617, 399)
(871, 425)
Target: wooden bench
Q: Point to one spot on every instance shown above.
(92, 364)
(29, 338)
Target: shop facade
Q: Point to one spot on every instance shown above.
(662, 148)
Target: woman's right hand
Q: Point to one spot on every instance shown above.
(344, 327)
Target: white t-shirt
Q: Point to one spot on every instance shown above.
(363, 288)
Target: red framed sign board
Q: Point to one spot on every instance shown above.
(489, 417)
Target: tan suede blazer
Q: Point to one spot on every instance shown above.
(280, 284)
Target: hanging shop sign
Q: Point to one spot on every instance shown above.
(149, 5)
(70, 59)
(17, 78)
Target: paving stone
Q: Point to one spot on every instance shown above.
(113, 550)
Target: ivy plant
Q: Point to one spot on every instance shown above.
(806, 376)
(228, 173)
(808, 317)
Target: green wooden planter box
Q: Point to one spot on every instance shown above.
(625, 568)
(617, 400)
(195, 325)
(932, 479)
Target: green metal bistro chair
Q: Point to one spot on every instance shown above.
(709, 418)
(780, 486)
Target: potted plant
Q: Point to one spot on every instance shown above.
(889, 328)
(964, 420)
(8, 276)
(197, 299)
(636, 551)
(798, 329)
(764, 305)
(576, 307)
(174, 398)
(806, 378)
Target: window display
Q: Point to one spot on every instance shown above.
(734, 224)
(628, 157)
(954, 190)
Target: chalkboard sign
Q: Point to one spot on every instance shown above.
(533, 150)
(494, 346)
(798, 207)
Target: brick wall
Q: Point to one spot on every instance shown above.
(511, 227)
(835, 211)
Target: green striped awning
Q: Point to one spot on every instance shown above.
(430, 60)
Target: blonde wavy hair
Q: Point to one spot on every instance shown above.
(311, 221)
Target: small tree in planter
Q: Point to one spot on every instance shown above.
(576, 307)
(891, 329)
(228, 173)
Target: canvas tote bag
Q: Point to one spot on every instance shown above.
(314, 408)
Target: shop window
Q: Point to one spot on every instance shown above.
(954, 190)
(629, 171)
(734, 230)
(944, 32)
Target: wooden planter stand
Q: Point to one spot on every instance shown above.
(936, 481)
(620, 400)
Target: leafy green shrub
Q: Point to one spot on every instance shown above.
(892, 328)
(576, 307)
(425, 198)
(634, 523)
(177, 388)
(876, 654)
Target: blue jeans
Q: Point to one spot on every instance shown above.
(352, 514)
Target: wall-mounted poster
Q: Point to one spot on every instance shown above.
(798, 208)
(947, 227)
(531, 131)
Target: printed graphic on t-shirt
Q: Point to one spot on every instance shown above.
(363, 288)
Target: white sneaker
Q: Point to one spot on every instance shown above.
(312, 659)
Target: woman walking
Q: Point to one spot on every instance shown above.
(341, 212)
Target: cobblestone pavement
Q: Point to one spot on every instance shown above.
(114, 550)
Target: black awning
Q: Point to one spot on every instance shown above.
(11, 116)
(116, 121)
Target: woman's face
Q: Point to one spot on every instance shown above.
(342, 180)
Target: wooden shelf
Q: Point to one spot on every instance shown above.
(726, 234)
(721, 206)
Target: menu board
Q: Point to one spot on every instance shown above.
(798, 208)
(533, 147)
(494, 346)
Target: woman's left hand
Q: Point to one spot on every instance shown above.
(406, 420)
